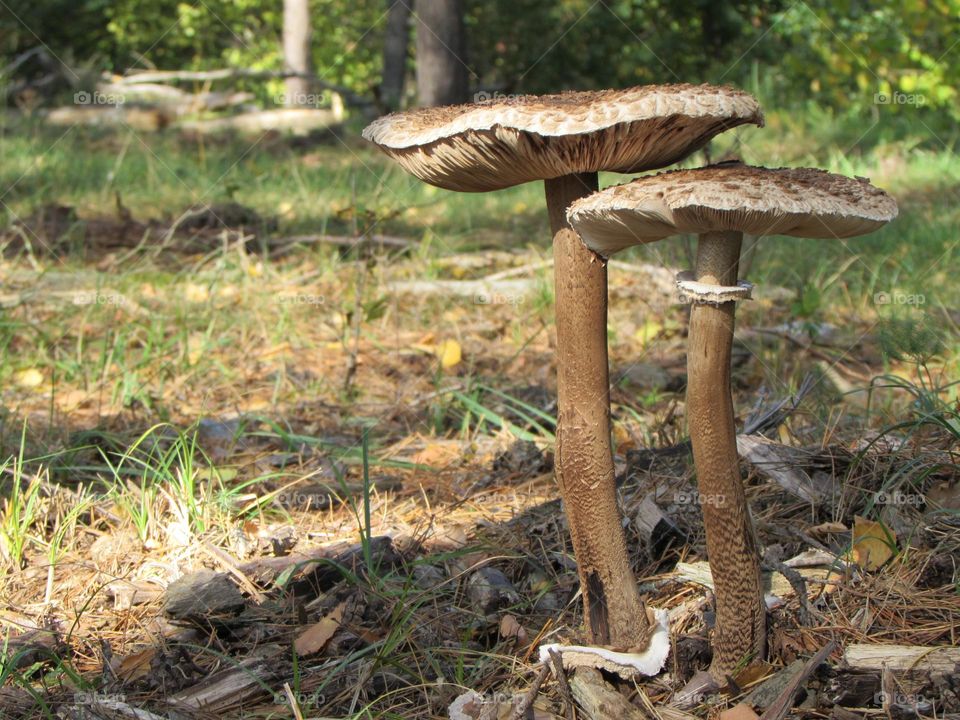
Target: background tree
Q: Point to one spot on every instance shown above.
(296, 50)
(441, 53)
(395, 53)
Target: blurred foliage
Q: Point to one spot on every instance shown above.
(890, 56)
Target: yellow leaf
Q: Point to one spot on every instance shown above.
(196, 293)
(648, 331)
(449, 353)
(30, 378)
(196, 344)
(873, 543)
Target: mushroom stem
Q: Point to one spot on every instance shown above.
(731, 546)
(614, 613)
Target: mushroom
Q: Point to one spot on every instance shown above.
(719, 203)
(565, 140)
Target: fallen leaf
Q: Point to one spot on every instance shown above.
(135, 666)
(742, 711)
(315, 638)
(449, 353)
(196, 293)
(873, 543)
(510, 627)
(648, 331)
(30, 378)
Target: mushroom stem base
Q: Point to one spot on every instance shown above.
(615, 615)
(739, 637)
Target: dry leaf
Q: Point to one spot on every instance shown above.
(648, 332)
(135, 666)
(315, 638)
(873, 543)
(196, 293)
(741, 711)
(510, 627)
(30, 378)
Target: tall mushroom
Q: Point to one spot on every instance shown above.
(566, 140)
(719, 204)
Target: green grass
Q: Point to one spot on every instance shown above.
(176, 333)
(338, 184)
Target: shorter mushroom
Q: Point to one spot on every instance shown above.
(719, 203)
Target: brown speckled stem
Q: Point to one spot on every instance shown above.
(731, 546)
(614, 613)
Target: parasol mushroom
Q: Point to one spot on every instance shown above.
(719, 204)
(565, 140)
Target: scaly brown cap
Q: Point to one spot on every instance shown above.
(802, 202)
(496, 144)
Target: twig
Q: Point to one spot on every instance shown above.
(157, 76)
(531, 695)
(561, 676)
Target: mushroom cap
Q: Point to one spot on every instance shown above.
(802, 202)
(492, 145)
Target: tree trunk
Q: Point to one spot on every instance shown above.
(395, 54)
(296, 51)
(441, 53)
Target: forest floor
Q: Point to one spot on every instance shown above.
(277, 429)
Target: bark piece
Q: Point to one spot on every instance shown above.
(598, 699)
(237, 685)
(202, 596)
